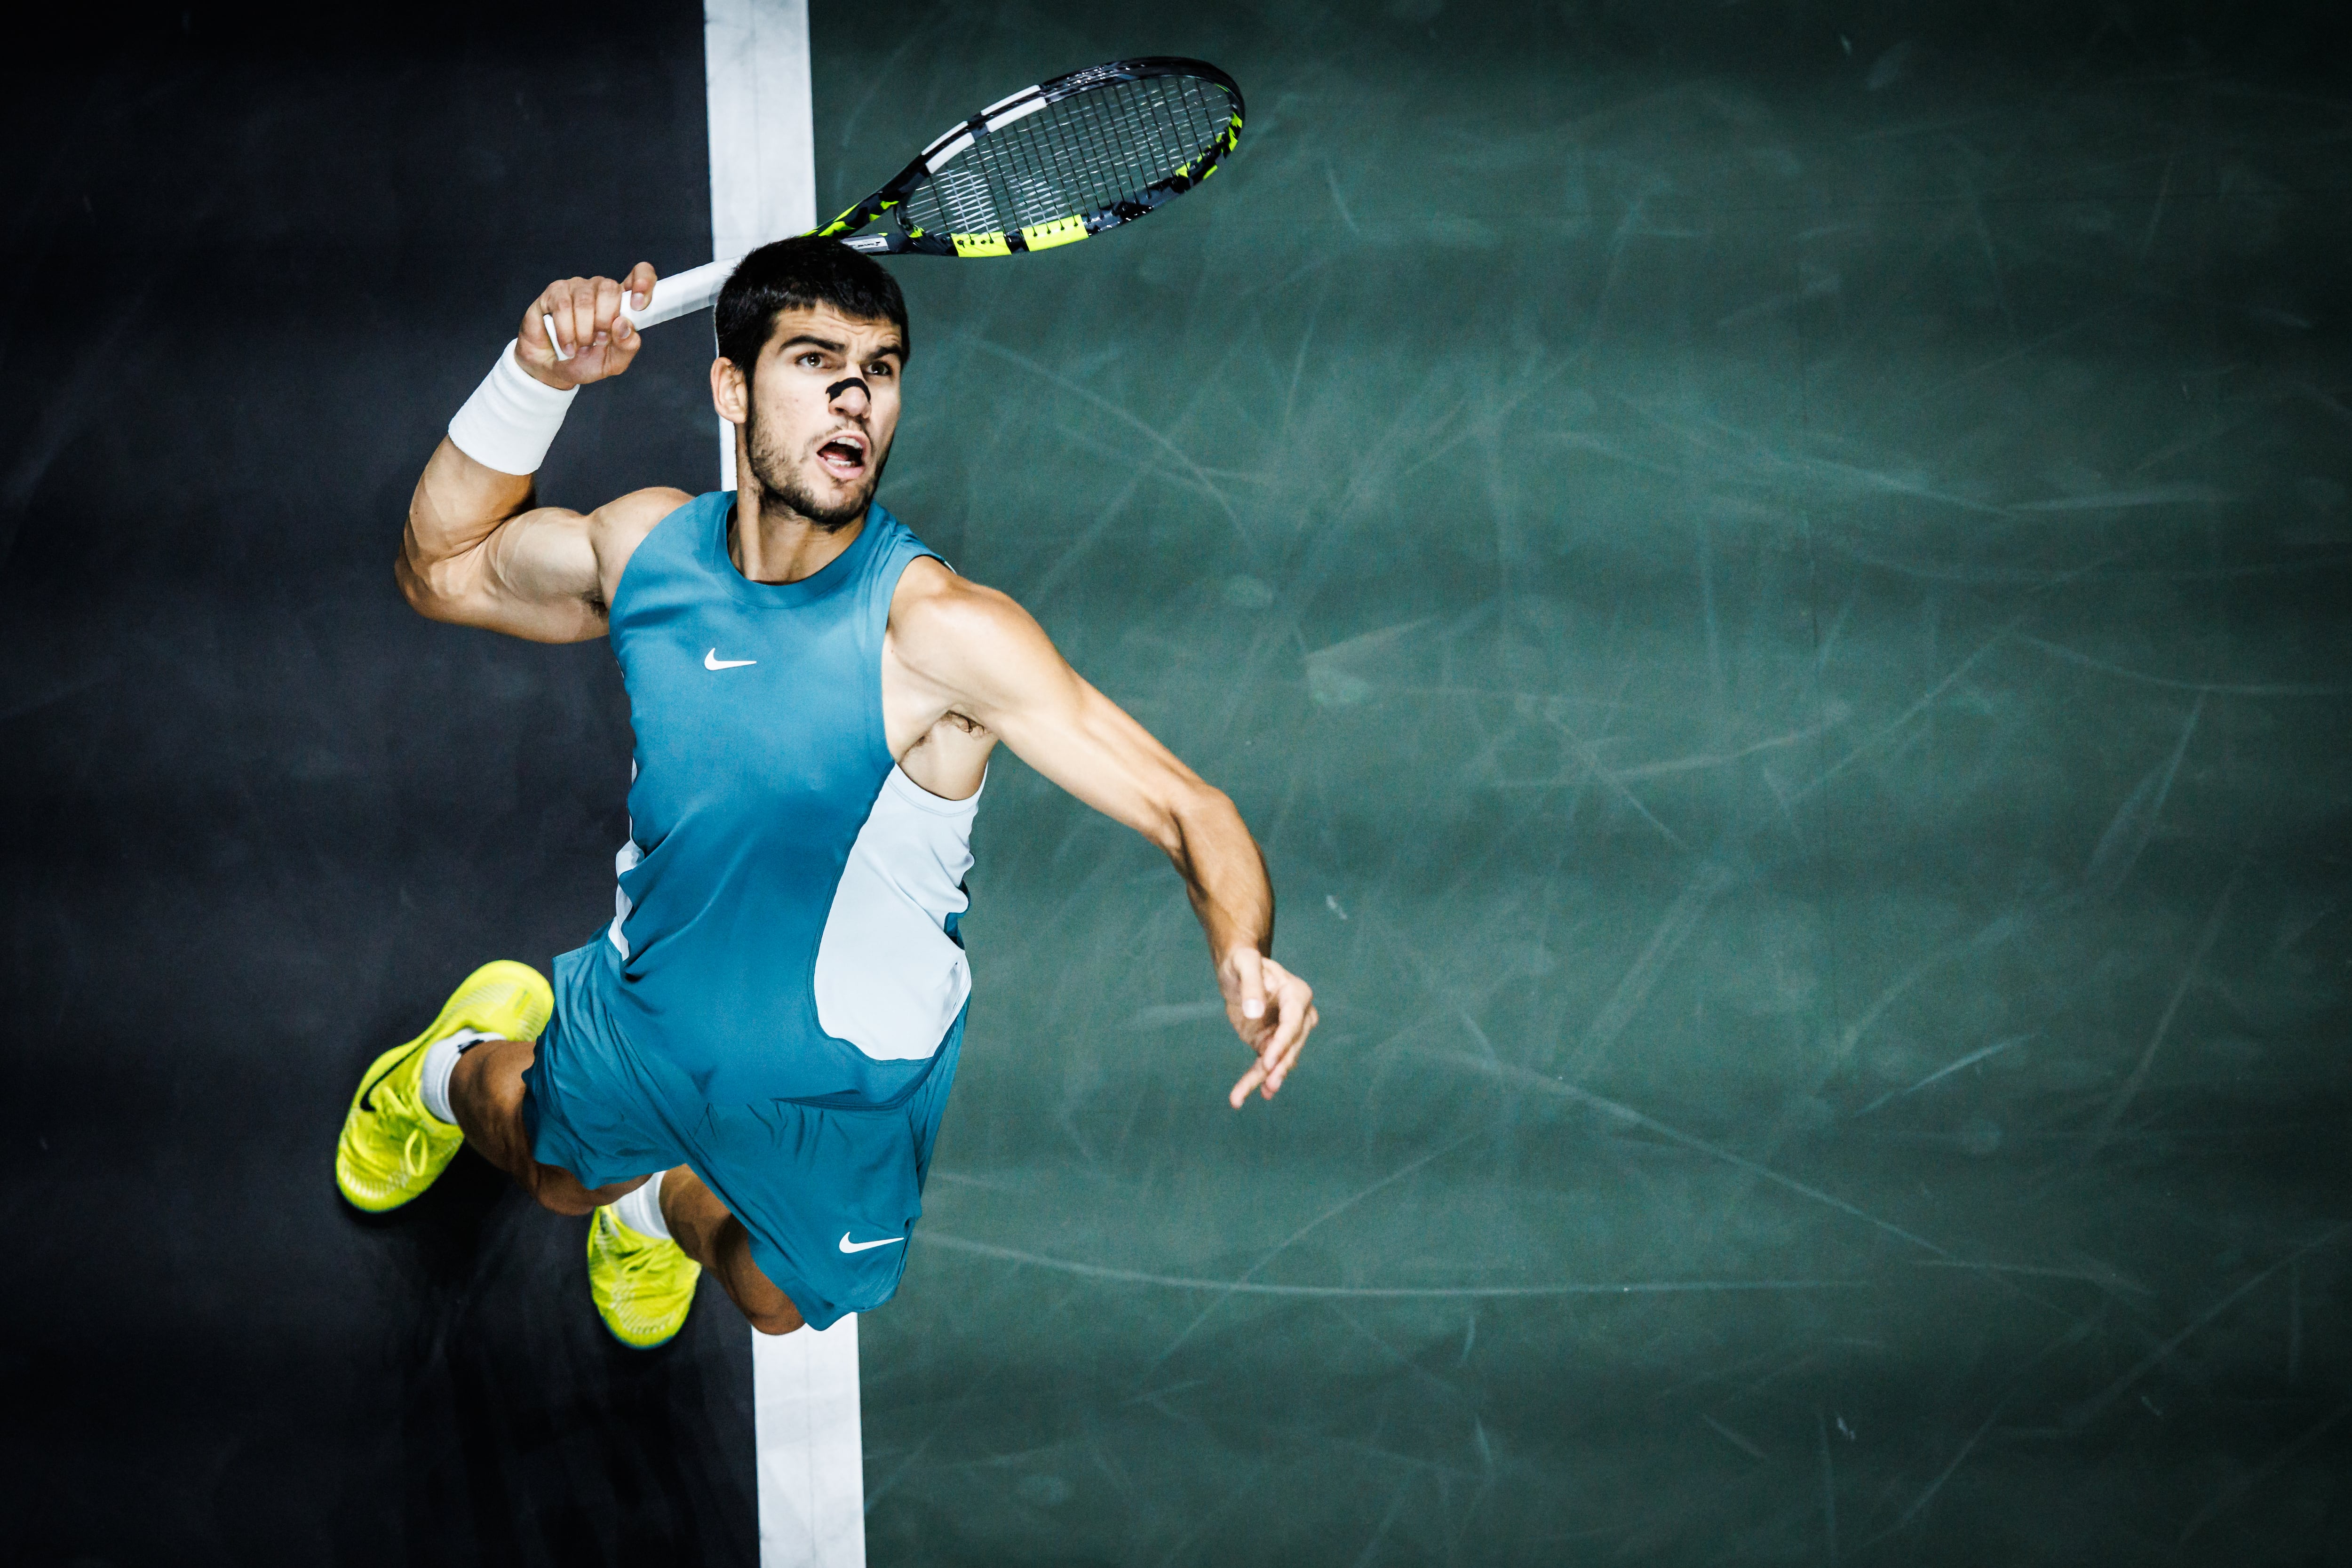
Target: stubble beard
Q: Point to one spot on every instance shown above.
(780, 483)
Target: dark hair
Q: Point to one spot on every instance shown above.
(795, 274)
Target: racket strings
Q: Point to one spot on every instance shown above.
(1075, 157)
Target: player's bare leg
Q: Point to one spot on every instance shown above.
(715, 1238)
(486, 1090)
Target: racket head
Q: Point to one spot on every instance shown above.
(1059, 161)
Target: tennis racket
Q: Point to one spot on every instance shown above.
(1052, 164)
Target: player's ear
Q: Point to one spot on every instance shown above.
(730, 393)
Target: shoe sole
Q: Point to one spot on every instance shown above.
(502, 973)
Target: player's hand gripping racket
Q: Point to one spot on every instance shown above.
(1052, 164)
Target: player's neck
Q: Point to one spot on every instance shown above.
(770, 542)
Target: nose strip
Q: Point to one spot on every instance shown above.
(839, 387)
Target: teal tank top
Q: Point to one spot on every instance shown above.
(760, 756)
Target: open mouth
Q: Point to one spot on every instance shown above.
(842, 456)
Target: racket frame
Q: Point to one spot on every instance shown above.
(961, 137)
(697, 287)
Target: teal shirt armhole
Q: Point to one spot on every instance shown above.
(613, 610)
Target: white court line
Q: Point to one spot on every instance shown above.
(805, 1418)
(812, 1450)
(755, 62)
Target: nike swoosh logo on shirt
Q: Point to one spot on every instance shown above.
(849, 1246)
(712, 661)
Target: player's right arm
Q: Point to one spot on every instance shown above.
(477, 551)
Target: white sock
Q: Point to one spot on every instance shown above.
(641, 1210)
(440, 1061)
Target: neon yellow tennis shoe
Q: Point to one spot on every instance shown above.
(644, 1285)
(392, 1148)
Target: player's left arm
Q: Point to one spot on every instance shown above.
(972, 651)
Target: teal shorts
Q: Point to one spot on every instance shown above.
(830, 1194)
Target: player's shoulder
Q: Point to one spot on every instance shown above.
(634, 515)
(620, 525)
(615, 530)
(934, 606)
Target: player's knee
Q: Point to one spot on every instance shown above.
(780, 1319)
(559, 1192)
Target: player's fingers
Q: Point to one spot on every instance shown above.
(1283, 990)
(557, 303)
(1249, 1081)
(554, 311)
(583, 324)
(1287, 1004)
(1280, 1055)
(1249, 983)
(622, 347)
(1293, 1001)
(1279, 1067)
(550, 316)
(533, 334)
(607, 308)
(640, 285)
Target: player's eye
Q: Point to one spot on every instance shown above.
(812, 360)
(880, 369)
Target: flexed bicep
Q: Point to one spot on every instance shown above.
(532, 575)
(544, 573)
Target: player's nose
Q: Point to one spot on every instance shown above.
(850, 394)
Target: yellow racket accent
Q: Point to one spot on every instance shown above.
(1058, 231)
(970, 245)
(864, 213)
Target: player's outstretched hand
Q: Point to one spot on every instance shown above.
(586, 315)
(1272, 1011)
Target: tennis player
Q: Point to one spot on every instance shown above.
(745, 1071)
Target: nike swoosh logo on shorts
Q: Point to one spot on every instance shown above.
(712, 661)
(849, 1246)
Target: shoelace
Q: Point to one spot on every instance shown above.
(641, 1261)
(416, 1149)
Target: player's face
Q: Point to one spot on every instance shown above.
(824, 407)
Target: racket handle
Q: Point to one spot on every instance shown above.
(681, 294)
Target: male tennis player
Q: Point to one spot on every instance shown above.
(746, 1070)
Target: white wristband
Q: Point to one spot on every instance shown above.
(512, 419)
